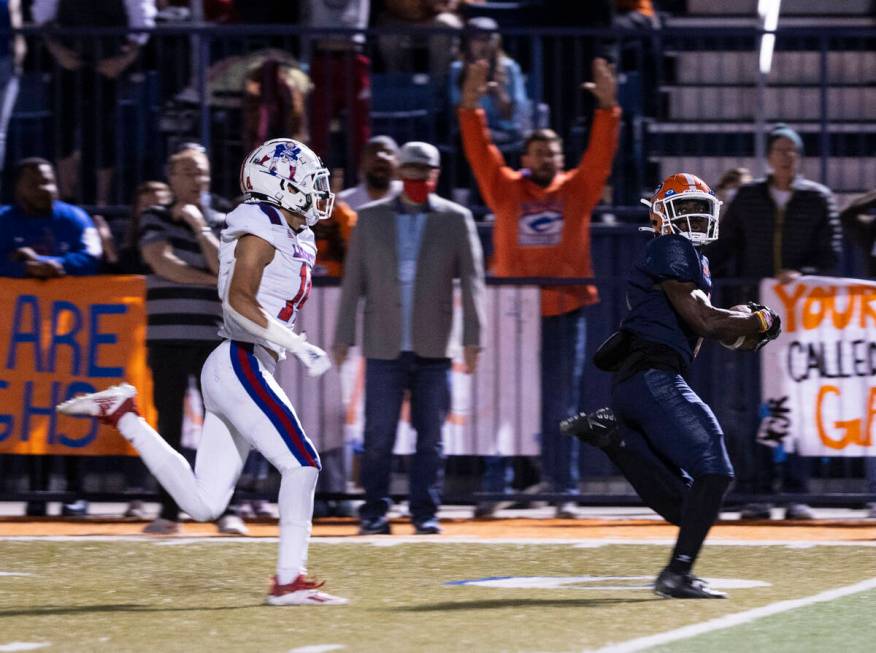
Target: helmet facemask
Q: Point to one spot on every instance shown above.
(693, 215)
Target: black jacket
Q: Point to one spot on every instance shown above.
(757, 240)
(862, 232)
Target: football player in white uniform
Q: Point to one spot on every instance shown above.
(266, 255)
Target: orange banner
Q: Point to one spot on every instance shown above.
(62, 337)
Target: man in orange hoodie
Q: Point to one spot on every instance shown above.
(542, 229)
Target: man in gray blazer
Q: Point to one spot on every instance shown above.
(403, 257)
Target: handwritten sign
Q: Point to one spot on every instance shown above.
(819, 376)
(62, 337)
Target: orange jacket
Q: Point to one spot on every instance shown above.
(527, 241)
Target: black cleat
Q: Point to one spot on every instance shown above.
(598, 428)
(673, 585)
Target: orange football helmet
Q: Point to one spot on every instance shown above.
(685, 205)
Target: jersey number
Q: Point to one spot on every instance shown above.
(304, 285)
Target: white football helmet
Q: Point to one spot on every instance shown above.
(289, 174)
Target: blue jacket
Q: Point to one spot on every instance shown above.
(67, 235)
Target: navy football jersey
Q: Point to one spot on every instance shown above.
(651, 315)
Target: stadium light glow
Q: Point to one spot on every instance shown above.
(768, 12)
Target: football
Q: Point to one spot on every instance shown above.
(749, 342)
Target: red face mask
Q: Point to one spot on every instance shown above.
(418, 190)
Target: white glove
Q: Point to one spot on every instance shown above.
(314, 359)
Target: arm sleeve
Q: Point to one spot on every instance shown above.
(671, 257)
(471, 276)
(44, 11)
(141, 13)
(487, 163)
(588, 180)
(85, 250)
(828, 239)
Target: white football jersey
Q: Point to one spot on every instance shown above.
(286, 281)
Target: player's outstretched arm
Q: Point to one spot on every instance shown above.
(251, 256)
(707, 321)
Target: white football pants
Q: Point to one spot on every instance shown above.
(244, 407)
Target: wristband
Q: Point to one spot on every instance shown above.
(764, 325)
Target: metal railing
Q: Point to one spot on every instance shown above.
(691, 99)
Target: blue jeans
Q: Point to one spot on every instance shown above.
(677, 425)
(428, 380)
(563, 340)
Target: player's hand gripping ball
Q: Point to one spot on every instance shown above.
(771, 328)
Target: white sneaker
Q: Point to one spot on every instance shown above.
(107, 405)
(231, 525)
(301, 591)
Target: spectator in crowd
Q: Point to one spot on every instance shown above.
(378, 169)
(87, 85)
(542, 230)
(505, 103)
(859, 223)
(12, 53)
(44, 238)
(729, 183)
(179, 243)
(782, 226)
(404, 255)
(341, 76)
(402, 52)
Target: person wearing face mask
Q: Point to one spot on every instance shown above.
(542, 229)
(179, 244)
(404, 255)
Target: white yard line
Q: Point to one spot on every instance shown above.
(395, 540)
(738, 619)
(23, 646)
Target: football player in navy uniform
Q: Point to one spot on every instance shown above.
(659, 433)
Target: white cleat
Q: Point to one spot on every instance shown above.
(301, 591)
(107, 405)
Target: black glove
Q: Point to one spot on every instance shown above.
(773, 321)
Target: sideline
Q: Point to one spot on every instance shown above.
(731, 620)
(399, 540)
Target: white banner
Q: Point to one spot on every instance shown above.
(495, 411)
(817, 378)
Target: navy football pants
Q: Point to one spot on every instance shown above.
(669, 438)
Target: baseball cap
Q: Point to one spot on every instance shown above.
(482, 23)
(781, 130)
(419, 153)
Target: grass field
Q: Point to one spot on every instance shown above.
(126, 594)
